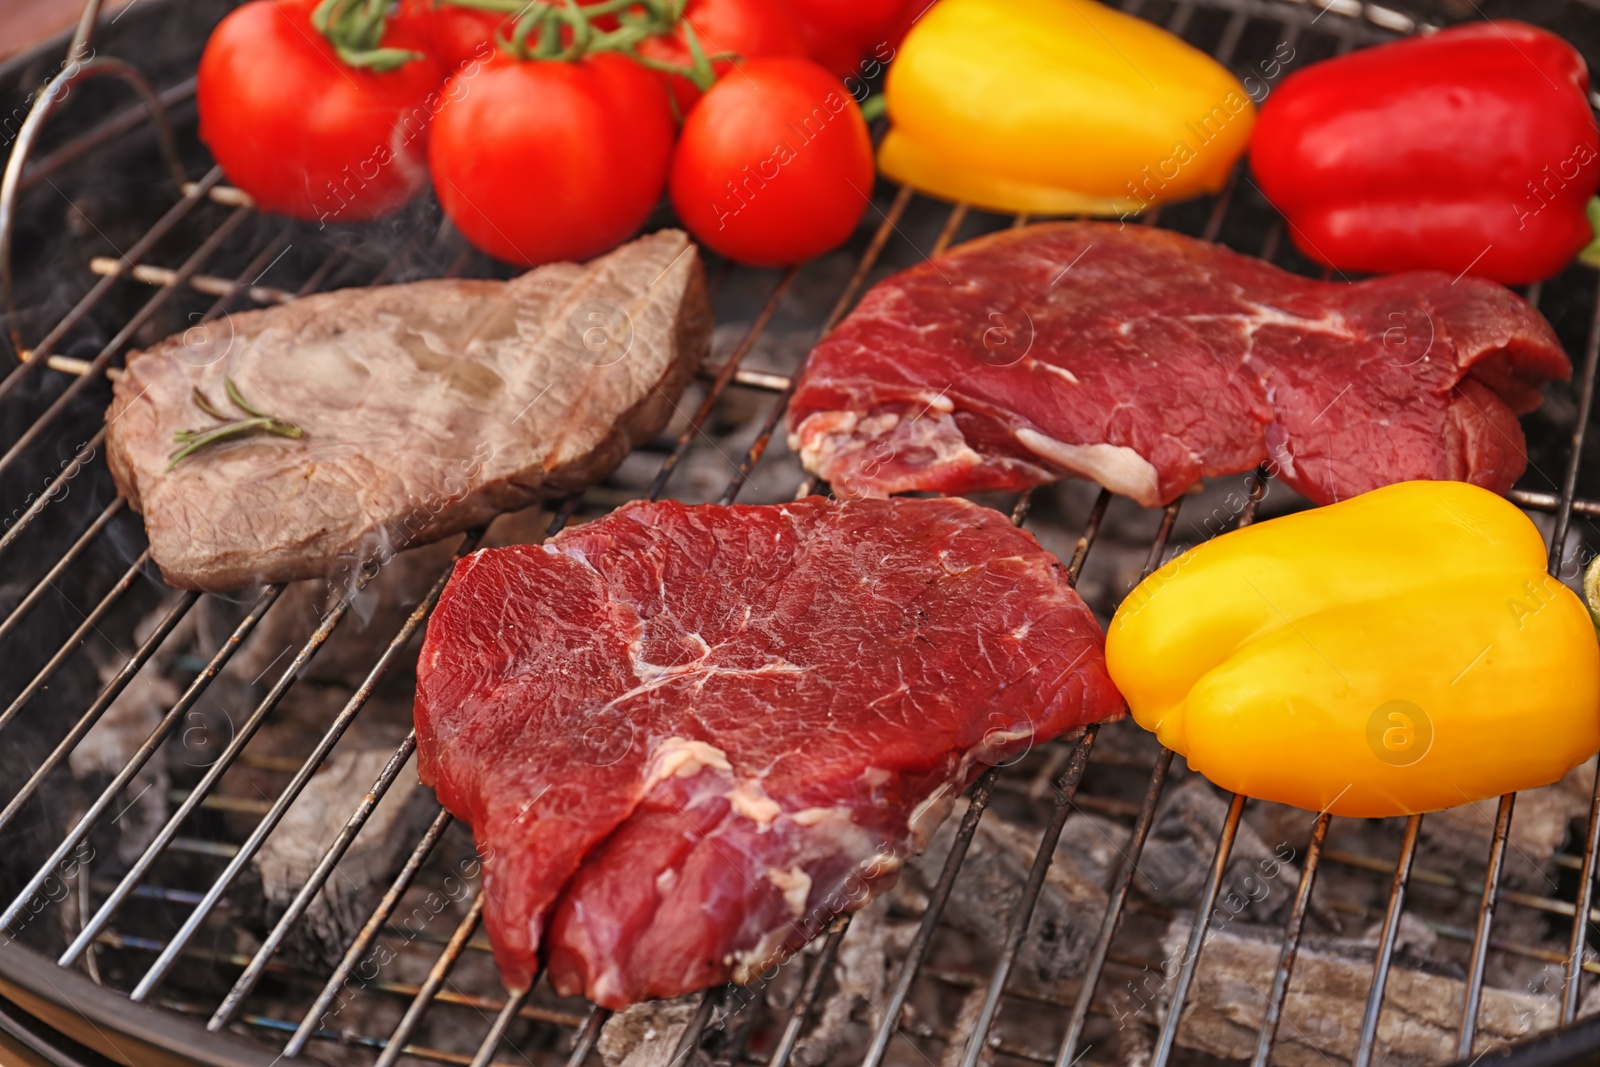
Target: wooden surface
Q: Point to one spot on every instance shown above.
(24, 23)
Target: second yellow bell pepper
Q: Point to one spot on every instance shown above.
(1394, 653)
(1058, 107)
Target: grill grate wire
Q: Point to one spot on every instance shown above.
(975, 1039)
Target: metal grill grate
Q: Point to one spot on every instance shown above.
(534, 1026)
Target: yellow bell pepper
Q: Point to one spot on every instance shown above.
(1058, 107)
(1394, 653)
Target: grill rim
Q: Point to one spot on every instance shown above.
(28, 979)
(107, 1003)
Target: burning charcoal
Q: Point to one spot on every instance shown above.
(107, 747)
(1182, 845)
(376, 615)
(1456, 840)
(1065, 919)
(112, 742)
(705, 469)
(286, 860)
(966, 1020)
(1096, 846)
(1327, 997)
(843, 1022)
(646, 1034)
(727, 435)
(1286, 826)
(1452, 854)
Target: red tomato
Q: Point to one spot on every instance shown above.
(746, 28)
(838, 33)
(774, 165)
(542, 160)
(305, 134)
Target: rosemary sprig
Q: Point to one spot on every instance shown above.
(192, 441)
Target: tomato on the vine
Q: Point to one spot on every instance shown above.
(775, 165)
(458, 35)
(545, 160)
(305, 133)
(838, 33)
(747, 29)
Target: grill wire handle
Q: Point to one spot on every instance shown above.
(80, 65)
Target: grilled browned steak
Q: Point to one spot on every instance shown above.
(427, 408)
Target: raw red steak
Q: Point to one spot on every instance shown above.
(686, 736)
(1146, 360)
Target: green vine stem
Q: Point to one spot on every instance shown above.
(355, 29)
(192, 441)
(565, 31)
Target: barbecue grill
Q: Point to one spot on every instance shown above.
(151, 966)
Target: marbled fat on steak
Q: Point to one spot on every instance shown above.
(685, 737)
(428, 408)
(1146, 360)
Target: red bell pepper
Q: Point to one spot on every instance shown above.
(1469, 151)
